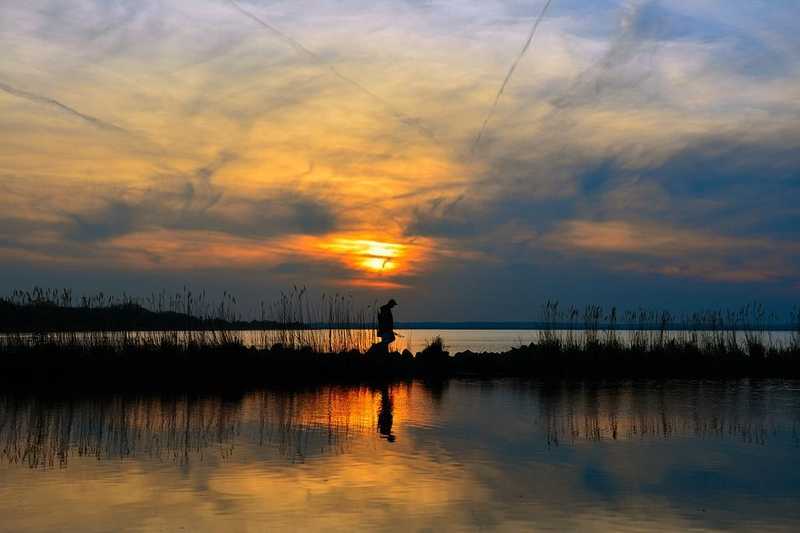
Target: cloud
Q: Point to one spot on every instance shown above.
(193, 202)
(671, 251)
(443, 218)
(510, 74)
(316, 58)
(55, 104)
(285, 213)
(627, 64)
(113, 219)
(626, 237)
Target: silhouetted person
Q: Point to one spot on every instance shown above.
(385, 328)
(386, 415)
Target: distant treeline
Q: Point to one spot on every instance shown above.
(44, 311)
(116, 317)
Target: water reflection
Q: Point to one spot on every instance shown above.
(750, 412)
(500, 455)
(47, 432)
(386, 415)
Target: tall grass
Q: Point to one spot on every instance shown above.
(746, 331)
(294, 332)
(192, 321)
(795, 321)
(332, 324)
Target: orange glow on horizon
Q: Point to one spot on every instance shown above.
(367, 263)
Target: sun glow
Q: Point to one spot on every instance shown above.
(378, 264)
(372, 256)
(367, 263)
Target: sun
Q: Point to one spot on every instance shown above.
(368, 255)
(381, 256)
(378, 264)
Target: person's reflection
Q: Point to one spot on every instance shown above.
(385, 416)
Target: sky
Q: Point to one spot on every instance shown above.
(642, 153)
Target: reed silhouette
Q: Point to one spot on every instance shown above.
(185, 340)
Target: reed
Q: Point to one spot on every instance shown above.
(186, 337)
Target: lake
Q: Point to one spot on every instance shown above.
(459, 455)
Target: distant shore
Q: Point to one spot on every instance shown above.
(129, 316)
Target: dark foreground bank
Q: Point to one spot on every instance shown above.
(231, 364)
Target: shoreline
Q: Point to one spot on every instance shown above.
(233, 365)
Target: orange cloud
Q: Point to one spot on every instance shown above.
(672, 251)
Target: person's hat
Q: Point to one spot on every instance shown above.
(391, 303)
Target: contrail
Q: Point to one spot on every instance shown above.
(298, 46)
(44, 100)
(510, 74)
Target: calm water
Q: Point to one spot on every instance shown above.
(502, 455)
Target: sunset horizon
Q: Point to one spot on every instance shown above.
(390, 150)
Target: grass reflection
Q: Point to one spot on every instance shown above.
(296, 425)
(47, 432)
